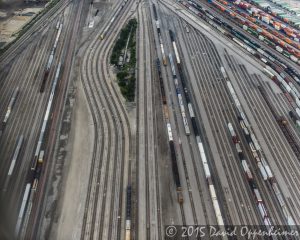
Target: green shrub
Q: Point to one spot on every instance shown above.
(126, 75)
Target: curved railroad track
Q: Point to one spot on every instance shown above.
(104, 207)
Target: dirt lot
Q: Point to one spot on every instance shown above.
(12, 21)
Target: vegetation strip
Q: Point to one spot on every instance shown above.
(125, 65)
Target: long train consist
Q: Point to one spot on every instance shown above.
(166, 113)
(204, 160)
(46, 119)
(170, 136)
(273, 24)
(295, 119)
(282, 75)
(179, 97)
(257, 195)
(128, 214)
(49, 63)
(164, 59)
(9, 107)
(22, 209)
(286, 86)
(37, 162)
(250, 24)
(283, 124)
(257, 153)
(240, 38)
(13, 161)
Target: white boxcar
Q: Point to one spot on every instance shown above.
(169, 132)
(257, 195)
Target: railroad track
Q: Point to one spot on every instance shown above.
(27, 38)
(26, 116)
(36, 55)
(156, 121)
(65, 52)
(190, 143)
(265, 189)
(274, 211)
(227, 217)
(187, 157)
(268, 195)
(101, 217)
(142, 123)
(148, 189)
(209, 106)
(271, 137)
(180, 154)
(213, 100)
(229, 20)
(281, 104)
(146, 107)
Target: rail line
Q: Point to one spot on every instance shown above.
(268, 194)
(10, 53)
(184, 90)
(179, 148)
(155, 101)
(153, 230)
(34, 214)
(149, 233)
(115, 115)
(208, 106)
(27, 119)
(159, 234)
(259, 112)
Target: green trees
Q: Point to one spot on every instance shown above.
(126, 73)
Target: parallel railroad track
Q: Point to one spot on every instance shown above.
(270, 136)
(106, 107)
(209, 68)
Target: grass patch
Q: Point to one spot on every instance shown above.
(126, 73)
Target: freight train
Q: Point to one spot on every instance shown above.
(269, 60)
(250, 25)
(179, 97)
(258, 155)
(204, 161)
(174, 164)
(49, 63)
(283, 124)
(249, 135)
(259, 202)
(164, 59)
(22, 209)
(276, 26)
(295, 118)
(9, 107)
(46, 119)
(246, 43)
(38, 159)
(284, 82)
(128, 214)
(16, 154)
(273, 61)
(13, 161)
(170, 137)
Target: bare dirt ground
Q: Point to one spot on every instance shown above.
(13, 18)
(67, 219)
